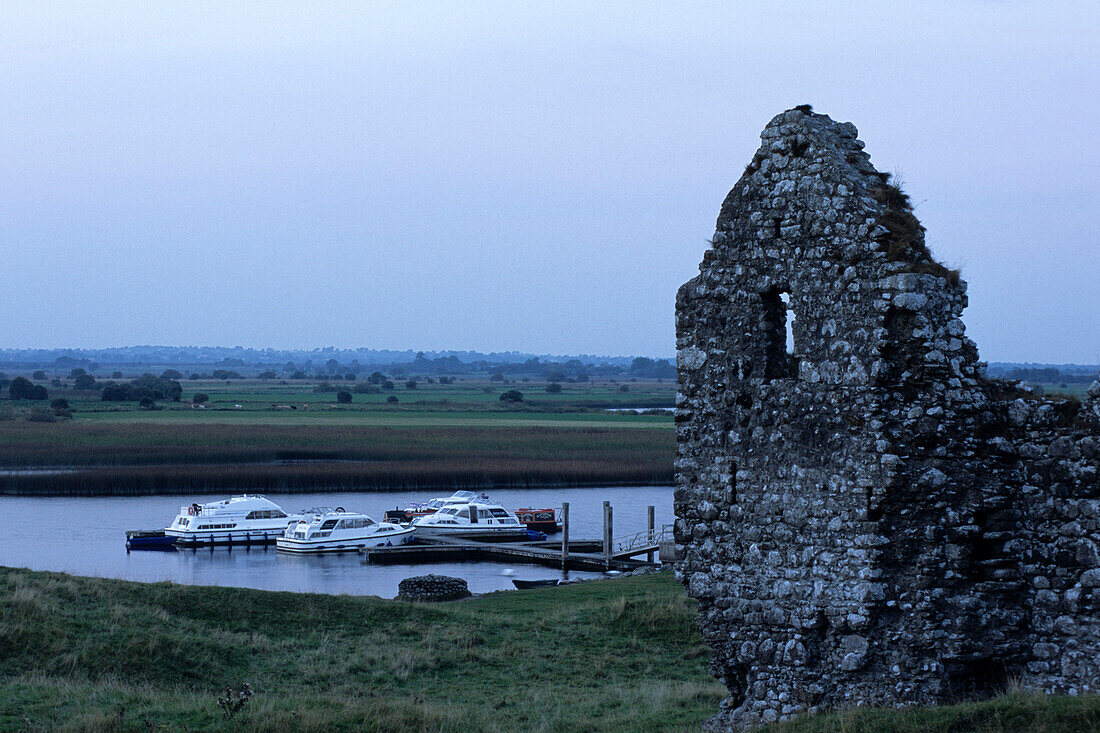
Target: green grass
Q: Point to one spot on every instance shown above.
(473, 402)
(1012, 713)
(86, 654)
(614, 655)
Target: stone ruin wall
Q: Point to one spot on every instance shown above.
(868, 520)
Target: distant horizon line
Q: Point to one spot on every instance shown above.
(7, 353)
(320, 350)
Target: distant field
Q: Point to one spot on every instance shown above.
(474, 393)
(1070, 389)
(471, 403)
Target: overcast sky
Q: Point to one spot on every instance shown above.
(537, 177)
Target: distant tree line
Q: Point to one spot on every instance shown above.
(443, 368)
(146, 387)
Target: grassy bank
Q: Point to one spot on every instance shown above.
(137, 459)
(92, 654)
(104, 655)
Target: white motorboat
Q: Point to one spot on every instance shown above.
(476, 518)
(335, 530)
(539, 520)
(239, 520)
(424, 508)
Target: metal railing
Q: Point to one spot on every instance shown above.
(640, 541)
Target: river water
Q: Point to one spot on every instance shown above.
(87, 536)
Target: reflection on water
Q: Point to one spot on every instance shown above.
(86, 536)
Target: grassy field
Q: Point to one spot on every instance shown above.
(143, 458)
(103, 655)
(472, 402)
(1067, 389)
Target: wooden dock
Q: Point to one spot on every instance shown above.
(582, 554)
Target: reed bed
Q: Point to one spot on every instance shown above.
(127, 459)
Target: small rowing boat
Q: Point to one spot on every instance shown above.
(525, 584)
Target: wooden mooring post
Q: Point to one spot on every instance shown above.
(565, 535)
(607, 533)
(650, 525)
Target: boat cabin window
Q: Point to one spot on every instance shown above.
(356, 523)
(464, 513)
(265, 514)
(498, 512)
(329, 523)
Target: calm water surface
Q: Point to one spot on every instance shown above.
(87, 536)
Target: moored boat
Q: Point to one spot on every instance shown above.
(239, 520)
(478, 519)
(539, 520)
(149, 539)
(335, 530)
(525, 584)
(424, 508)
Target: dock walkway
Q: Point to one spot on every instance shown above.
(438, 547)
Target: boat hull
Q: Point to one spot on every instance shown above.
(480, 534)
(227, 537)
(154, 539)
(525, 584)
(549, 527)
(345, 544)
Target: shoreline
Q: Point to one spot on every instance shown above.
(277, 479)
